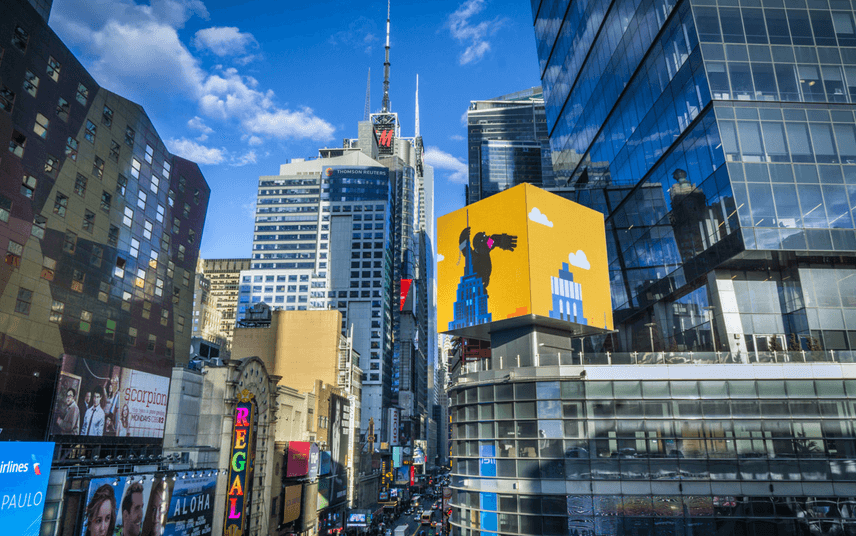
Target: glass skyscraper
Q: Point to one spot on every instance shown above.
(718, 139)
(507, 144)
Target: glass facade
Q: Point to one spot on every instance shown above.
(508, 144)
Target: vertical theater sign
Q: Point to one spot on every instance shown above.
(240, 466)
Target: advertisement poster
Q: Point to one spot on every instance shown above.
(396, 457)
(521, 252)
(324, 493)
(314, 460)
(297, 459)
(102, 506)
(101, 400)
(291, 508)
(357, 520)
(24, 472)
(191, 507)
(338, 450)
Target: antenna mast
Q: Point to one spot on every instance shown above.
(417, 105)
(385, 106)
(368, 96)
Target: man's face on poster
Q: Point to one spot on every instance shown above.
(133, 520)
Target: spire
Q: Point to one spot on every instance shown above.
(385, 105)
(368, 96)
(417, 105)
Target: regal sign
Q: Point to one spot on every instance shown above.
(240, 465)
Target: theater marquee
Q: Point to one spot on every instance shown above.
(240, 465)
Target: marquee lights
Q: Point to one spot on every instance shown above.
(240, 463)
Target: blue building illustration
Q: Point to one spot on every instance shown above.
(567, 297)
(471, 297)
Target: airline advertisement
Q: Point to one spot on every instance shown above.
(522, 252)
(24, 472)
(97, 399)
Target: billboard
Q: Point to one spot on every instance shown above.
(101, 400)
(297, 459)
(324, 492)
(24, 472)
(357, 519)
(405, 300)
(523, 254)
(291, 507)
(314, 460)
(394, 426)
(326, 465)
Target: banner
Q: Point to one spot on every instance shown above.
(191, 508)
(24, 472)
(297, 459)
(101, 400)
(291, 508)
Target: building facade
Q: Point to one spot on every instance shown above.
(225, 277)
(507, 144)
(100, 229)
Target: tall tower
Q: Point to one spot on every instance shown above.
(385, 104)
(385, 122)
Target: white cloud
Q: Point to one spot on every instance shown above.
(254, 141)
(191, 150)
(360, 34)
(538, 217)
(440, 257)
(243, 160)
(579, 260)
(473, 35)
(131, 48)
(224, 41)
(198, 124)
(457, 137)
(443, 160)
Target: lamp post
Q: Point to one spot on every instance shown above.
(650, 327)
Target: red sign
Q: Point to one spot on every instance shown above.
(405, 288)
(297, 463)
(385, 138)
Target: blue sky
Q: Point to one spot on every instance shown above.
(242, 87)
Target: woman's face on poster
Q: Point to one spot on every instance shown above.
(100, 524)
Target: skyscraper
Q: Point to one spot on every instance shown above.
(718, 140)
(507, 143)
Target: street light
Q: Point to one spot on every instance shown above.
(650, 327)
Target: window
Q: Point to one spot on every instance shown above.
(60, 205)
(71, 148)
(88, 221)
(85, 321)
(7, 98)
(114, 150)
(77, 279)
(171, 198)
(80, 185)
(166, 168)
(20, 38)
(196, 196)
(176, 225)
(25, 298)
(5, 208)
(113, 236)
(129, 137)
(182, 182)
(159, 292)
(14, 253)
(164, 314)
(28, 186)
(191, 236)
(17, 143)
(160, 215)
(150, 151)
(135, 168)
(150, 346)
(135, 248)
(106, 200)
(98, 168)
(57, 307)
(121, 185)
(129, 216)
(181, 253)
(62, 109)
(141, 200)
(53, 68)
(70, 242)
(51, 166)
(147, 229)
(31, 83)
(41, 126)
(110, 330)
(107, 117)
(39, 223)
(186, 210)
(82, 96)
(153, 186)
(90, 132)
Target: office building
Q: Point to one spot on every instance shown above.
(718, 142)
(507, 144)
(225, 276)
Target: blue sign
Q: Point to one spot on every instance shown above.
(314, 460)
(487, 460)
(24, 472)
(326, 463)
(488, 519)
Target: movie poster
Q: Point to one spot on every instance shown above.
(101, 400)
(117, 505)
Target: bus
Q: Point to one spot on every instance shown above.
(427, 516)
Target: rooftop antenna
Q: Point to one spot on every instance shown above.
(385, 105)
(417, 105)
(368, 96)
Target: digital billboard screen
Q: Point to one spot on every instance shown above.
(25, 469)
(98, 399)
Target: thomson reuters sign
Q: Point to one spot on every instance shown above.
(24, 472)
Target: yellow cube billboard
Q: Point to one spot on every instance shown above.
(522, 254)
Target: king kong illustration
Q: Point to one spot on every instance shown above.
(482, 245)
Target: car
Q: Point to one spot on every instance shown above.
(417, 517)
